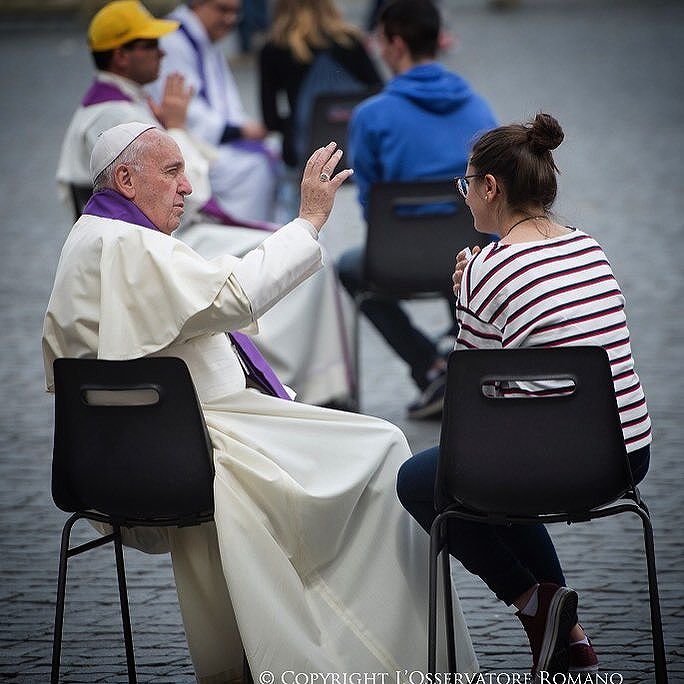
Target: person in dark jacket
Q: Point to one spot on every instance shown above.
(420, 126)
(307, 38)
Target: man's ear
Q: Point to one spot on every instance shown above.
(124, 182)
(399, 45)
(119, 60)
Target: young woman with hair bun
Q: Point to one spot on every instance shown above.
(542, 284)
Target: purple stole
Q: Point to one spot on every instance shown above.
(111, 205)
(257, 367)
(100, 92)
(202, 92)
(213, 210)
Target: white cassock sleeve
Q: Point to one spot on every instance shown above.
(259, 280)
(123, 292)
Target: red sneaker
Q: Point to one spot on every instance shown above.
(583, 658)
(549, 630)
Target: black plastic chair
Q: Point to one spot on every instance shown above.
(330, 116)
(415, 230)
(532, 460)
(142, 458)
(80, 194)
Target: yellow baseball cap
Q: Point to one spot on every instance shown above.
(121, 21)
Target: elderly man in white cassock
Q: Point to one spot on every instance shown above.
(311, 563)
(305, 339)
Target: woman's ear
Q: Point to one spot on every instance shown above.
(124, 181)
(490, 187)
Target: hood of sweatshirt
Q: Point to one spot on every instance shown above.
(431, 87)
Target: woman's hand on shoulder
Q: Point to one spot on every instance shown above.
(462, 258)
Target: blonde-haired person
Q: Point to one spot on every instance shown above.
(542, 284)
(310, 47)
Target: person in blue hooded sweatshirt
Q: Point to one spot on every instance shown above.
(421, 126)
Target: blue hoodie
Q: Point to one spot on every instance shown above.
(421, 126)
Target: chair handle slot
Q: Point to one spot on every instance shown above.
(528, 386)
(131, 395)
(338, 114)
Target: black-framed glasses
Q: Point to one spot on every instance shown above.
(462, 183)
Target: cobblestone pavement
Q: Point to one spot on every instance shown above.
(611, 72)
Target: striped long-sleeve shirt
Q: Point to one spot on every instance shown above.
(556, 292)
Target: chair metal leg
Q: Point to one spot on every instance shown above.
(123, 598)
(61, 594)
(448, 602)
(639, 508)
(654, 601)
(643, 505)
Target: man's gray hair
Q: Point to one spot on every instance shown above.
(131, 156)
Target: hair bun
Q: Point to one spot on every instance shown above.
(544, 134)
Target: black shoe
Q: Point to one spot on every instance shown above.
(431, 400)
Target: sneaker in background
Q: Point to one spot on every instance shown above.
(431, 400)
(549, 629)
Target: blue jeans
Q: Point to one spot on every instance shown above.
(387, 315)
(508, 558)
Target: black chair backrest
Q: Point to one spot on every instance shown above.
(80, 194)
(151, 461)
(330, 116)
(530, 456)
(415, 230)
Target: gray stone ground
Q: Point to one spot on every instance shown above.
(612, 73)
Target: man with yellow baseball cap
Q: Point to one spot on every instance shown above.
(124, 39)
(123, 21)
(124, 42)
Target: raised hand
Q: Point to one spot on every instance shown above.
(253, 131)
(462, 258)
(319, 185)
(173, 108)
